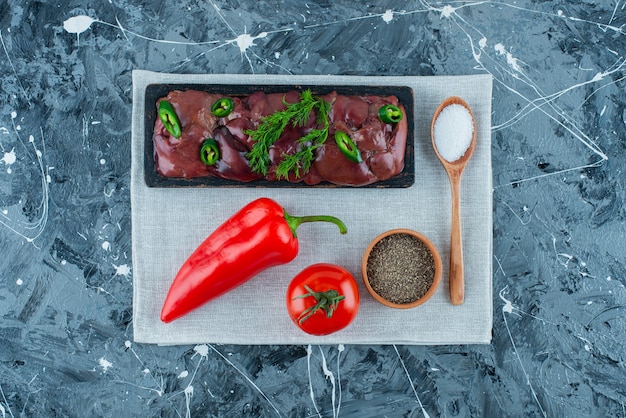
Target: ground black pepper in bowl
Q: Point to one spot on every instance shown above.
(402, 267)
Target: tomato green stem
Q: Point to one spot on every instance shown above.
(327, 301)
(295, 221)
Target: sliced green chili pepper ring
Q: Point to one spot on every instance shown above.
(348, 147)
(167, 114)
(223, 107)
(390, 114)
(209, 152)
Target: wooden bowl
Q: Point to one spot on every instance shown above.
(402, 256)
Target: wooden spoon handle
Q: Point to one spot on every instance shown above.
(457, 285)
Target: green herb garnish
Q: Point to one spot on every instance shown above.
(272, 126)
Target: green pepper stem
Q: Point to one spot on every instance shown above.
(295, 221)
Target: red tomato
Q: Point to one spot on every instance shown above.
(323, 298)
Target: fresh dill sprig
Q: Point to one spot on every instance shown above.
(301, 160)
(272, 126)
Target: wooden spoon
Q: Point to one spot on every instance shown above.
(455, 170)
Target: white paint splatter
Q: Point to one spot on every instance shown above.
(276, 54)
(388, 16)
(127, 344)
(340, 349)
(309, 351)
(13, 115)
(598, 77)
(109, 193)
(78, 24)
(19, 282)
(202, 349)
(188, 394)
(512, 61)
(447, 11)
(123, 270)
(106, 246)
(245, 376)
(183, 374)
(509, 308)
(31, 230)
(508, 305)
(105, 364)
(103, 161)
(483, 42)
(9, 157)
(408, 375)
(245, 41)
(329, 376)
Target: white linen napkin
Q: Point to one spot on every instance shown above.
(169, 223)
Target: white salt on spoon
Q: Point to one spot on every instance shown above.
(453, 134)
(453, 131)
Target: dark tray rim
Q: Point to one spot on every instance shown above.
(153, 92)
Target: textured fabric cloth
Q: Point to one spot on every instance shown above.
(169, 223)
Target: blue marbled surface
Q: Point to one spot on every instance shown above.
(559, 335)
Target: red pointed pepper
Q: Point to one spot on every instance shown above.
(259, 236)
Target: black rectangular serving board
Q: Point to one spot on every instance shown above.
(405, 178)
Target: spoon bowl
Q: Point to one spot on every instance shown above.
(455, 169)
